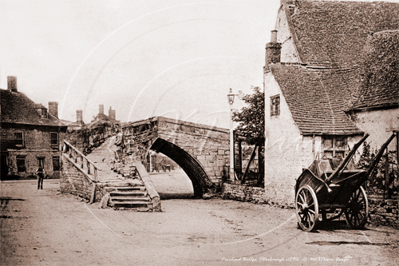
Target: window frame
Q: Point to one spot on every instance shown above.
(275, 105)
(17, 139)
(41, 159)
(54, 145)
(334, 150)
(56, 159)
(21, 158)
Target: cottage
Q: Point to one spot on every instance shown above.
(31, 135)
(376, 110)
(313, 76)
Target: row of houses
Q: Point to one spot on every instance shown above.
(32, 135)
(331, 74)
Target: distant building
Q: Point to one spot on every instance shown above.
(31, 135)
(103, 119)
(78, 124)
(85, 136)
(313, 76)
(77, 133)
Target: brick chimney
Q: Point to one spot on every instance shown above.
(79, 116)
(101, 111)
(273, 51)
(112, 113)
(53, 108)
(12, 84)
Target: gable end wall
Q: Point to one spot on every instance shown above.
(289, 52)
(287, 151)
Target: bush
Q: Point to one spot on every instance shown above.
(376, 183)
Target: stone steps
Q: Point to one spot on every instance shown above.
(134, 197)
(131, 189)
(130, 193)
(128, 199)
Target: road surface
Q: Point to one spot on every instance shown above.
(44, 227)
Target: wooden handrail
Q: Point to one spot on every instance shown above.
(84, 156)
(70, 151)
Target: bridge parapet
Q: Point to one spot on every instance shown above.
(201, 150)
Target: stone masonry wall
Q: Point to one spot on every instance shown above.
(244, 193)
(36, 144)
(208, 145)
(75, 182)
(384, 212)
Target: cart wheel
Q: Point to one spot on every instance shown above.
(307, 208)
(357, 209)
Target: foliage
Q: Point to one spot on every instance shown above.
(376, 183)
(252, 117)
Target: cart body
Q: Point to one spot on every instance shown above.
(322, 189)
(337, 192)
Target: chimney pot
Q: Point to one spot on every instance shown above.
(111, 113)
(273, 36)
(12, 83)
(79, 116)
(53, 108)
(273, 51)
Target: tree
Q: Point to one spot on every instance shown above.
(252, 117)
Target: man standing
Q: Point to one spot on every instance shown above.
(40, 176)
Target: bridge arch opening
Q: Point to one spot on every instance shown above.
(189, 164)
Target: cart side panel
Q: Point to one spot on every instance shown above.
(308, 178)
(348, 181)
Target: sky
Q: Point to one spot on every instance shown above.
(144, 58)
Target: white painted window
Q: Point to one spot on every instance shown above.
(275, 105)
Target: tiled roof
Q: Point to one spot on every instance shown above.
(380, 87)
(17, 108)
(333, 33)
(317, 98)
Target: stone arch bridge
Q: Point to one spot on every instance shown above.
(202, 151)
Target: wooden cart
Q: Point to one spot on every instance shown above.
(331, 193)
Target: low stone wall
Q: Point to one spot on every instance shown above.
(75, 182)
(384, 212)
(381, 212)
(244, 193)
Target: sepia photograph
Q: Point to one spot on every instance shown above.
(199, 132)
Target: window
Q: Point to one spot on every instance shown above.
(19, 138)
(275, 105)
(40, 161)
(334, 146)
(54, 139)
(21, 167)
(56, 163)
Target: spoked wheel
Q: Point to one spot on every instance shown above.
(307, 208)
(357, 209)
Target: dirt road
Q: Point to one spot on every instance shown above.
(43, 227)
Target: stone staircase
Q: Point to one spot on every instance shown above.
(130, 197)
(120, 188)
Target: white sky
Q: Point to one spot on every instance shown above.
(176, 58)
